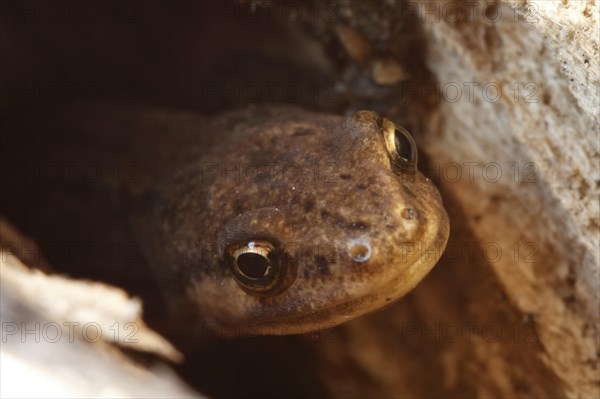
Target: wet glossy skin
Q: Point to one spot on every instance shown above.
(334, 226)
(355, 232)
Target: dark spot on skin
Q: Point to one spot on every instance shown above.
(309, 205)
(345, 176)
(332, 218)
(302, 131)
(322, 265)
(359, 225)
(361, 186)
(477, 217)
(388, 299)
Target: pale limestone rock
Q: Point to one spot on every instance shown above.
(552, 49)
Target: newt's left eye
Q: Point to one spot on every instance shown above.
(260, 267)
(399, 144)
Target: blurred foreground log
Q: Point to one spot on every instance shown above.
(61, 337)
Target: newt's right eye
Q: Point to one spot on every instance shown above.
(260, 267)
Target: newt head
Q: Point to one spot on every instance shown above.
(299, 221)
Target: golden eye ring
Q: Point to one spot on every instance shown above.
(259, 267)
(399, 144)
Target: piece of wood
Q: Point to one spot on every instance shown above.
(61, 337)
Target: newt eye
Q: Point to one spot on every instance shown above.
(259, 267)
(400, 145)
(405, 146)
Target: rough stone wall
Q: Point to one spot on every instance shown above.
(551, 48)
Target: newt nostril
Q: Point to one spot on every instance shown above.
(360, 251)
(409, 213)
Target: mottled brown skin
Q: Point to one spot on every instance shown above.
(314, 185)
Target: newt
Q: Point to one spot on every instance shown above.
(266, 219)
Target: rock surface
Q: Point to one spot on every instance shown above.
(550, 50)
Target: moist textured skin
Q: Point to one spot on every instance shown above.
(358, 232)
